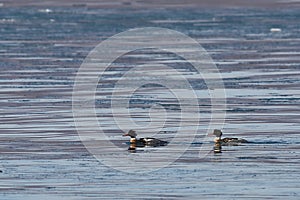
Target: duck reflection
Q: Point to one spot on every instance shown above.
(132, 148)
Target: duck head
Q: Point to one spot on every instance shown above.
(132, 135)
(218, 134)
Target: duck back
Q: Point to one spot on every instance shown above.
(153, 142)
(234, 140)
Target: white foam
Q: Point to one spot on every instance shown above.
(275, 29)
(45, 10)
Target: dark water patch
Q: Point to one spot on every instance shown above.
(257, 157)
(274, 142)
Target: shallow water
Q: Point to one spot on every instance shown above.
(42, 155)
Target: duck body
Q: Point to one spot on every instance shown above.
(144, 142)
(233, 141)
(227, 141)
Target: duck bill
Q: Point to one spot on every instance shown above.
(126, 134)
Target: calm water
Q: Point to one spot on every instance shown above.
(41, 153)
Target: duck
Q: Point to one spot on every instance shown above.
(144, 142)
(227, 141)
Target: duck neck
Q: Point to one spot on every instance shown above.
(217, 139)
(132, 140)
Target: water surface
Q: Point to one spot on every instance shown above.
(41, 153)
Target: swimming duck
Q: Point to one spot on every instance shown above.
(227, 141)
(143, 142)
